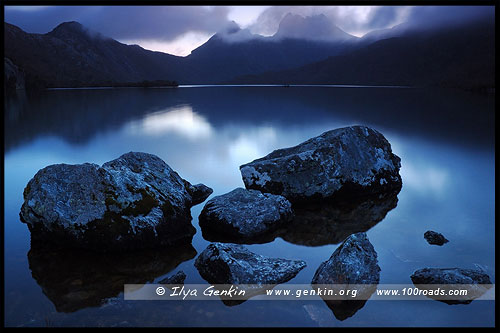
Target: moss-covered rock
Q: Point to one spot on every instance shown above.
(346, 162)
(134, 201)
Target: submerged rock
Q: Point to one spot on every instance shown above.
(134, 201)
(243, 215)
(353, 264)
(345, 162)
(233, 264)
(475, 281)
(74, 279)
(435, 238)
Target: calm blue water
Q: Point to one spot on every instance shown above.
(445, 140)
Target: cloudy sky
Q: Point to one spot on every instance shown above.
(179, 29)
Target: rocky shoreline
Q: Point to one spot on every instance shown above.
(329, 189)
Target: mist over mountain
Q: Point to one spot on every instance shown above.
(72, 56)
(461, 56)
(317, 28)
(309, 50)
(236, 52)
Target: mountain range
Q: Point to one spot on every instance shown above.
(460, 57)
(304, 50)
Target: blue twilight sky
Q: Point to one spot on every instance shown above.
(179, 29)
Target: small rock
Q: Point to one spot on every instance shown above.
(435, 238)
(233, 264)
(450, 276)
(243, 215)
(199, 192)
(475, 281)
(345, 162)
(354, 262)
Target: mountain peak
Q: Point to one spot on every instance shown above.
(232, 32)
(316, 27)
(69, 26)
(73, 29)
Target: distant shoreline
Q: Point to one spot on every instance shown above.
(480, 90)
(235, 85)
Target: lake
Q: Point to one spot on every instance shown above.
(445, 140)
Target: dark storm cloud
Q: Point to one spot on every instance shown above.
(124, 22)
(439, 16)
(165, 23)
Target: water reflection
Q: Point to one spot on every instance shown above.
(79, 115)
(320, 224)
(445, 140)
(179, 119)
(425, 178)
(343, 309)
(74, 279)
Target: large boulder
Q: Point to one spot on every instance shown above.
(244, 215)
(353, 265)
(134, 201)
(345, 162)
(476, 282)
(228, 264)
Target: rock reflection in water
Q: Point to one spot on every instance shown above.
(320, 224)
(328, 223)
(75, 279)
(346, 308)
(352, 270)
(216, 236)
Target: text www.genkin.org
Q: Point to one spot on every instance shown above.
(460, 292)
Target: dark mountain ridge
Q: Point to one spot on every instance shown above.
(73, 56)
(462, 56)
(218, 60)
